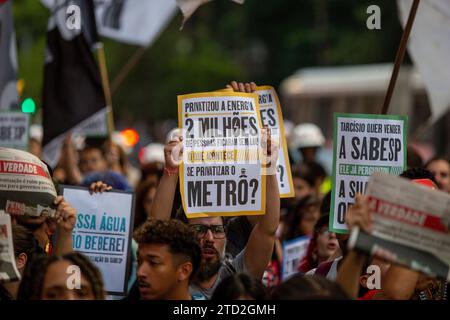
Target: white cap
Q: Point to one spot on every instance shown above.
(307, 135)
(288, 128)
(154, 152)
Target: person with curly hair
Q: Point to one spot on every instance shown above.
(50, 278)
(169, 256)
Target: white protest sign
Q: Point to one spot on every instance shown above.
(293, 252)
(103, 232)
(26, 187)
(411, 225)
(14, 130)
(271, 117)
(8, 269)
(221, 170)
(363, 144)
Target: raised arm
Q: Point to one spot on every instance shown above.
(400, 283)
(260, 244)
(70, 162)
(352, 265)
(162, 203)
(66, 217)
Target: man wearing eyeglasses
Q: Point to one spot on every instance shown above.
(211, 231)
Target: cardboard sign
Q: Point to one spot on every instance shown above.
(271, 117)
(293, 252)
(221, 173)
(14, 130)
(411, 225)
(8, 269)
(26, 187)
(103, 232)
(363, 144)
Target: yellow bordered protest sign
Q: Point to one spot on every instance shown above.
(272, 117)
(221, 172)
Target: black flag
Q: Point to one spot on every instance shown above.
(73, 97)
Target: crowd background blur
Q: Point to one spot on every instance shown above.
(316, 71)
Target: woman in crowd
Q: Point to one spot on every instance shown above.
(323, 246)
(48, 278)
(301, 218)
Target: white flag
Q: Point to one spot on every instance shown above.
(136, 22)
(429, 48)
(188, 7)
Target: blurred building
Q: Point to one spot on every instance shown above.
(314, 94)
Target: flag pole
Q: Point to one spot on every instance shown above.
(98, 45)
(400, 55)
(105, 85)
(127, 68)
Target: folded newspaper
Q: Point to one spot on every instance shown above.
(8, 269)
(411, 225)
(26, 187)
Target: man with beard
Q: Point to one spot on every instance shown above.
(255, 257)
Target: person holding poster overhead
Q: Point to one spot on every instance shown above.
(396, 282)
(211, 230)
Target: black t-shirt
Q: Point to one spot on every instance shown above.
(238, 232)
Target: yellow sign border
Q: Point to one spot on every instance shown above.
(220, 93)
(290, 194)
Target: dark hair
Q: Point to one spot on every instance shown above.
(295, 214)
(23, 241)
(240, 284)
(326, 204)
(309, 171)
(141, 191)
(177, 235)
(309, 262)
(32, 283)
(88, 148)
(314, 287)
(152, 169)
(418, 173)
(413, 158)
(437, 158)
(181, 216)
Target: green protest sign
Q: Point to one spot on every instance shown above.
(363, 144)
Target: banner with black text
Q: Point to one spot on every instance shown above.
(221, 173)
(363, 144)
(103, 232)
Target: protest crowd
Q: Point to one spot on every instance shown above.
(228, 258)
(181, 232)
